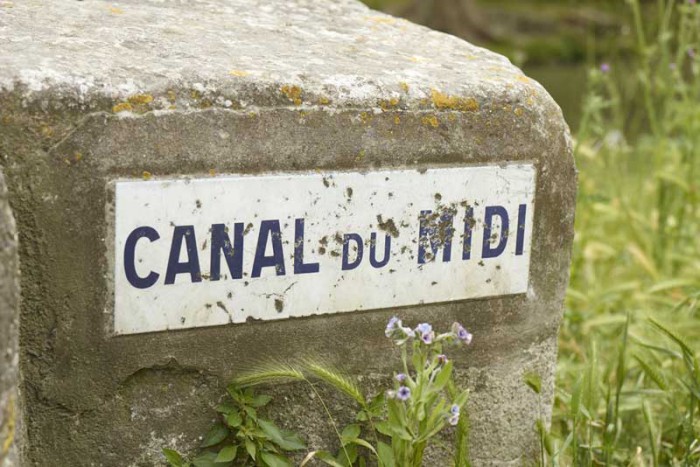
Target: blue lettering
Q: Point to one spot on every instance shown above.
(373, 253)
(221, 243)
(299, 266)
(130, 255)
(467, 240)
(347, 265)
(520, 237)
(269, 229)
(439, 234)
(191, 266)
(487, 250)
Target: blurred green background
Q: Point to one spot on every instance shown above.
(553, 41)
(627, 76)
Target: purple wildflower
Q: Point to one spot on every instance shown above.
(454, 415)
(442, 359)
(461, 333)
(403, 393)
(425, 332)
(424, 328)
(692, 2)
(401, 377)
(394, 322)
(605, 67)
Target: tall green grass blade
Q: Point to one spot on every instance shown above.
(272, 372)
(336, 379)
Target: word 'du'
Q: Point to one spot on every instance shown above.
(201, 252)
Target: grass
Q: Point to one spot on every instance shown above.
(628, 390)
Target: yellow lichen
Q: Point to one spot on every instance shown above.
(293, 93)
(116, 11)
(518, 112)
(389, 103)
(397, 119)
(382, 19)
(140, 99)
(146, 175)
(212, 172)
(523, 79)
(452, 117)
(239, 73)
(323, 101)
(11, 418)
(404, 86)
(360, 155)
(172, 97)
(47, 131)
(431, 120)
(77, 156)
(445, 101)
(366, 117)
(122, 107)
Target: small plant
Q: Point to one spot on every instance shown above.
(241, 437)
(401, 422)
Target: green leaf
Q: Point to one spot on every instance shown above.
(576, 398)
(673, 336)
(216, 434)
(651, 372)
(417, 362)
(226, 407)
(261, 401)
(534, 381)
(444, 376)
(323, 456)
(252, 413)
(235, 392)
(227, 454)
(206, 459)
(174, 458)
(284, 439)
(234, 419)
(363, 443)
(349, 433)
(385, 454)
(383, 427)
(274, 460)
(394, 431)
(250, 447)
(347, 455)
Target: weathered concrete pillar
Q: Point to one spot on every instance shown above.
(10, 419)
(146, 144)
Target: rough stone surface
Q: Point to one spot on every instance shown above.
(10, 419)
(92, 91)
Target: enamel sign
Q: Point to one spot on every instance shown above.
(218, 250)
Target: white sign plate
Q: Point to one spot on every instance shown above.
(218, 250)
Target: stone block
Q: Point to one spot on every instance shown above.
(99, 101)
